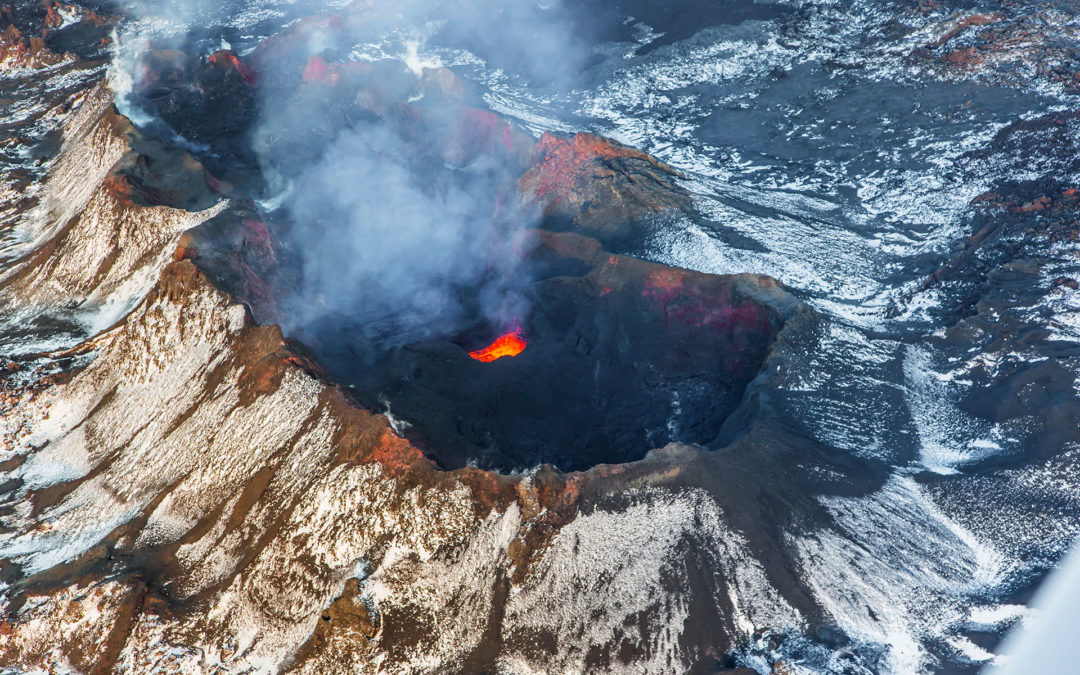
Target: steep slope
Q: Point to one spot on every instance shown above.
(198, 475)
(90, 247)
(198, 496)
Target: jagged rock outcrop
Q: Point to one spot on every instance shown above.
(997, 45)
(92, 241)
(39, 35)
(199, 454)
(600, 187)
(16, 51)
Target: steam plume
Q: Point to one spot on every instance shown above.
(396, 241)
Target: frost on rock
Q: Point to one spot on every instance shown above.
(277, 525)
(89, 246)
(197, 451)
(194, 496)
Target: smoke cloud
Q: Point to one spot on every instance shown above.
(397, 238)
(393, 254)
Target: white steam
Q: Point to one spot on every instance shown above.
(393, 243)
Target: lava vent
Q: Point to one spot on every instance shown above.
(617, 357)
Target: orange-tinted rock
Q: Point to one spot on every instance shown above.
(257, 239)
(971, 21)
(53, 19)
(318, 71)
(184, 249)
(228, 59)
(238, 250)
(16, 51)
(1001, 45)
(315, 70)
(292, 45)
(968, 57)
(1037, 204)
(598, 186)
(470, 133)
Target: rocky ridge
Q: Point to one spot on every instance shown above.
(201, 497)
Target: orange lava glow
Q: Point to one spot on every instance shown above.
(511, 344)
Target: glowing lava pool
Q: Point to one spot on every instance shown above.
(510, 344)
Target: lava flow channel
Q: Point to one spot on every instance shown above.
(510, 344)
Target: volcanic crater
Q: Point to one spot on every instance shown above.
(609, 356)
(621, 358)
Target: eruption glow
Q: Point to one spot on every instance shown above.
(510, 344)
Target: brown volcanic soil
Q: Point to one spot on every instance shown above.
(198, 416)
(30, 37)
(16, 51)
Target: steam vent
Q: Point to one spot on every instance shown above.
(498, 336)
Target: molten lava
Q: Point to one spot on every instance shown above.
(510, 344)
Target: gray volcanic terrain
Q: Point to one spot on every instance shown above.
(514, 337)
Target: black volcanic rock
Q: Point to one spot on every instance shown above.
(240, 252)
(732, 478)
(210, 101)
(623, 356)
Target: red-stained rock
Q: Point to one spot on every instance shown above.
(257, 237)
(228, 59)
(16, 51)
(240, 252)
(54, 17)
(291, 46)
(999, 45)
(126, 187)
(186, 310)
(960, 26)
(315, 70)
(185, 249)
(319, 71)
(1037, 204)
(680, 300)
(159, 63)
(598, 185)
(562, 159)
(600, 326)
(968, 57)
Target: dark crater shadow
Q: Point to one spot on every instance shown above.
(621, 356)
